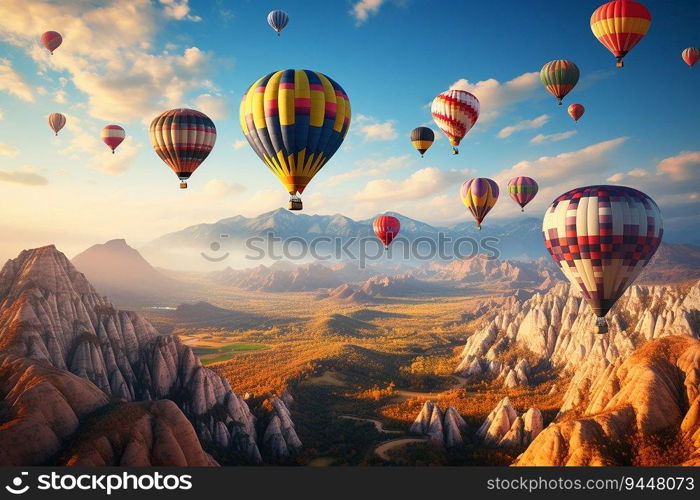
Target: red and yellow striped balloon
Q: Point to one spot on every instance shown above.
(113, 136)
(620, 25)
(455, 112)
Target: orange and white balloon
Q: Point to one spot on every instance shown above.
(691, 55)
(113, 136)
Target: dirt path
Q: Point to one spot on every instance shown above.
(383, 449)
(377, 424)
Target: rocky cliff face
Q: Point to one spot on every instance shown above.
(49, 312)
(505, 427)
(442, 428)
(556, 329)
(52, 416)
(641, 411)
(280, 439)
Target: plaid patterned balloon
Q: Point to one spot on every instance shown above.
(183, 138)
(522, 190)
(479, 195)
(602, 237)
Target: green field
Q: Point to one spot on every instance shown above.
(210, 355)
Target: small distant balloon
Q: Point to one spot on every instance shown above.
(422, 138)
(277, 19)
(576, 111)
(386, 227)
(57, 121)
(522, 190)
(51, 40)
(559, 77)
(479, 195)
(113, 136)
(691, 55)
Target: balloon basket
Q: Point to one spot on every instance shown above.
(295, 203)
(620, 63)
(183, 185)
(601, 326)
(455, 151)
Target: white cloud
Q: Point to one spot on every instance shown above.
(373, 130)
(178, 9)
(1, 114)
(239, 143)
(535, 123)
(494, 96)
(26, 176)
(544, 138)
(367, 168)
(218, 189)
(683, 167)
(7, 150)
(215, 107)
(106, 54)
(421, 184)
(60, 96)
(364, 8)
(13, 83)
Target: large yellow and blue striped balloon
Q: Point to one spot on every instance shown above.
(295, 120)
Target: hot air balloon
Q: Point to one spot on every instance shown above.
(576, 111)
(295, 120)
(602, 237)
(56, 121)
(479, 195)
(522, 190)
(386, 227)
(559, 77)
(112, 136)
(422, 138)
(277, 19)
(51, 40)
(455, 112)
(620, 25)
(691, 55)
(183, 138)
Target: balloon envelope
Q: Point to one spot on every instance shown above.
(112, 136)
(479, 195)
(422, 138)
(576, 111)
(559, 77)
(602, 237)
(455, 112)
(183, 138)
(620, 25)
(386, 227)
(522, 190)
(56, 121)
(295, 120)
(51, 40)
(691, 55)
(277, 19)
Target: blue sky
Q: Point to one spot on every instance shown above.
(124, 62)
